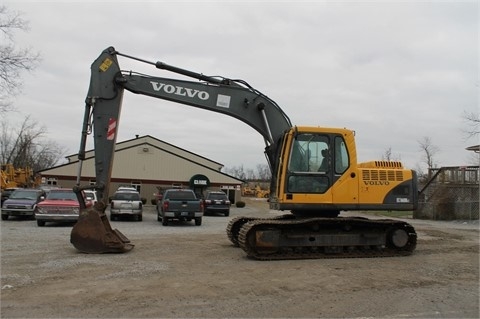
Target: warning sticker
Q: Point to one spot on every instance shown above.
(105, 64)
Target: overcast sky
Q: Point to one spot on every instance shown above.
(394, 72)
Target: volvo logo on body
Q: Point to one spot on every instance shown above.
(179, 90)
(376, 183)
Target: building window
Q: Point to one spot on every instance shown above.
(52, 181)
(137, 185)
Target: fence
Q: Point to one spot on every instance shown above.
(450, 193)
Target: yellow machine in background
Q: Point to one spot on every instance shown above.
(247, 191)
(16, 177)
(257, 192)
(261, 193)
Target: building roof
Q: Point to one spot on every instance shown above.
(158, 144)
(147, 158)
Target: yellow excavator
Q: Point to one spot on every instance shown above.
(315, 174)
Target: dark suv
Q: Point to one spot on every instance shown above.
(22, 202)
(217, 202)
(7, 192)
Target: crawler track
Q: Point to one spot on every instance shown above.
(287, 237)
(234, 226)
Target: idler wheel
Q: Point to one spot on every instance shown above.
(399, 238)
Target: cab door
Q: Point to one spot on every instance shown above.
(345, 187)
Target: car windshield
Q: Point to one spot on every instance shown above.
(217, 196)
(56, 195)
(179, 195)
(8, 191)
(22, 194)
(126, 196)
(89, 196)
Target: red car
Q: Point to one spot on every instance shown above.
(61, 205)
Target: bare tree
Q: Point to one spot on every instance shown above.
(250, 174)
(13, 60)
(237, 172)
(263, 172)
(429, 150)
(472, 121)
(389, 156)
(26, 147)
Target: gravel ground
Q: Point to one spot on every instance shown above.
(187, 271)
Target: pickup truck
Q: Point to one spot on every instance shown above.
(179, 204)
(61, 205)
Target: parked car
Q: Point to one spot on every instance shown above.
(22, 202)
(217, 202)
(126, 202)
(61, 205)
(127, 188)
(180, 204)
(7, 192)
(91, 195)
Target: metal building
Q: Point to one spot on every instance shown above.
(149, 165)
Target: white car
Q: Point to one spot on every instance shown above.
(126, 203)
(127, 188)
(91, 195)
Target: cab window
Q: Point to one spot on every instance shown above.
(309, 164)
(341, 156)
(309, 153)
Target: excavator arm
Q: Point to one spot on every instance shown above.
(231, 97)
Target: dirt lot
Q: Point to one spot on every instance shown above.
(193, 271)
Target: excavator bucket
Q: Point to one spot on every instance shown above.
(93, 234)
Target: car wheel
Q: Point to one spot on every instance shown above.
(159, 218)
(164, 222)
(198, 221)
(227, 213)
(4, 216)
(139, 218)
(40, 223)
(113, 217)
